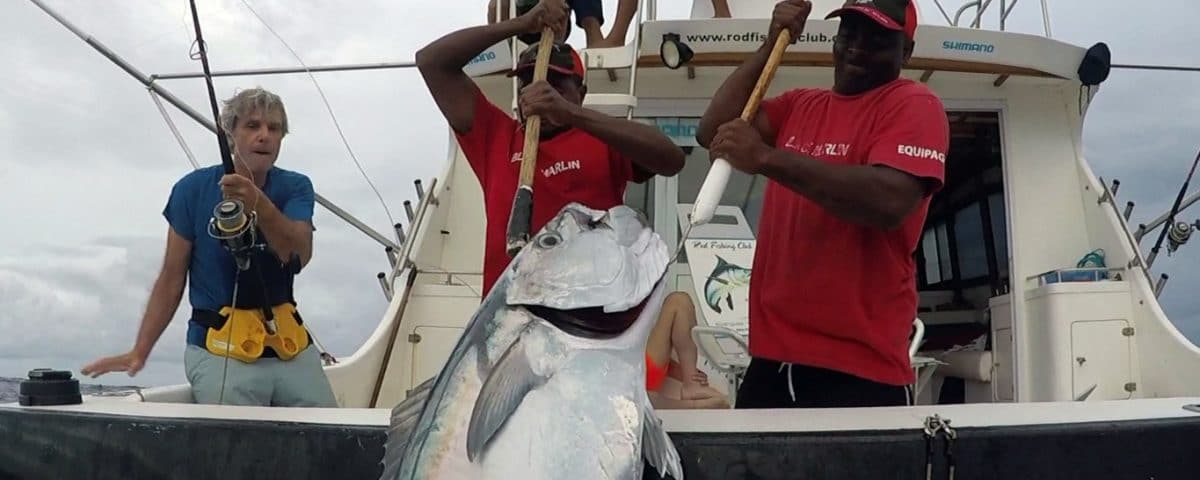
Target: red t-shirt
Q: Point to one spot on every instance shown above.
(573, 166)
(828, 293)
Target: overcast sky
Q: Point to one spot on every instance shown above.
(88, 160)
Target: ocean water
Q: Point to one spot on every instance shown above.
(9, 388)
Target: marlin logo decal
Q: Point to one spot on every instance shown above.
(724, 279)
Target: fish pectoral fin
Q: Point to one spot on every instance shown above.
(657, 446)
(502, 392)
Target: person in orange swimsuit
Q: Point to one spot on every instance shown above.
(674, 332)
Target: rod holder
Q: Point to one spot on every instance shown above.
(1116, 185)
(408, 210)
(1141, 232)
(400, 233)
(1128, 210)
(1162, 283)
(387, 291)
(420, 190)
(391, 255)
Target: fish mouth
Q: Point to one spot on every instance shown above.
(590, 322)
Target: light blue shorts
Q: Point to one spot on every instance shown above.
(299, 382)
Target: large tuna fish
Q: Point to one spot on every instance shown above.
(548, 379)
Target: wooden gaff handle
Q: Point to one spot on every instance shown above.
(520, 219)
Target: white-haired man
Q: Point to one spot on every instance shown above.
(219, 367)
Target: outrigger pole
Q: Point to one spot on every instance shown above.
(285, 70)
(207, 123)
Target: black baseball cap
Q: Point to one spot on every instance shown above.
(899, 15)
(563, 59)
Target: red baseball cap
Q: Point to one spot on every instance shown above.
(563, 59)
(900, 15)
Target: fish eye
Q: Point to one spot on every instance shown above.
(548, 240)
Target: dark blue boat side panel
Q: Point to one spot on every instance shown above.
(38, 444)
(55, 445)
(1148, 449)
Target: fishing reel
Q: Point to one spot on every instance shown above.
(1179, 235)
(235, 230)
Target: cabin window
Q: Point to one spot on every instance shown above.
(965, 244)
(968, 238)
(999, 231)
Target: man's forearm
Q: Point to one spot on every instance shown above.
(284, 235)
(452, 51)
(865, 195)
(730, 99)
(164, 300)
(643, 144)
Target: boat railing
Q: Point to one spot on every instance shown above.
(980, 7)
(1077, 274)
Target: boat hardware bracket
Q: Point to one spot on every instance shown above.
(934, 425)
(1108, 193)
(1087, 393)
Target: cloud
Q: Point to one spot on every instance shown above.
(78, 300)
(86, 301)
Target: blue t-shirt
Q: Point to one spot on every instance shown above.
(211, 269)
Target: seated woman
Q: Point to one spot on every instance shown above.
(674, 332)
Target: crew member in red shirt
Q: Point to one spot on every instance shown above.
(583, 156)
(851, 171)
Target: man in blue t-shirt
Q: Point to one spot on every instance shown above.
(255, 123)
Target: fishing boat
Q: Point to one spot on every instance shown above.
(1040, 347)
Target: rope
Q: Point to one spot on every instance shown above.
(329, 108)
(1095, 257)
(171, 124)
(229, 340)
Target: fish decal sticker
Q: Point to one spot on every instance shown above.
(724, 279)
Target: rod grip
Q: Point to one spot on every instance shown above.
(718, 175)
(710, 192)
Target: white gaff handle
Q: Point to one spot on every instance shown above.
(710, 192)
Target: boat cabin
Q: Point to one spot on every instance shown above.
(1032, 288)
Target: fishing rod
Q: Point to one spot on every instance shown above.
(222, 143)
(230, 223)
(1162, 235)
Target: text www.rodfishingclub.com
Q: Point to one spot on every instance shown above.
(750, 37)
